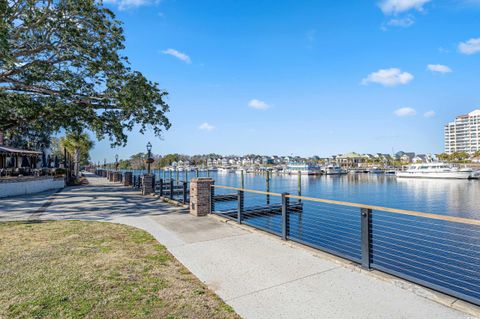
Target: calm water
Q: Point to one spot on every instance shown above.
(446, 197)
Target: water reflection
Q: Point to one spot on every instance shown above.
(447, 197)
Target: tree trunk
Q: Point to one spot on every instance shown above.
(2, 138)
(77, 162)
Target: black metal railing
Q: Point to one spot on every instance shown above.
(439, 252)
(173, 189)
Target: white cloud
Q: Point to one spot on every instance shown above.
(429, 114)
(471, 46)
(206, 127)
(128, 4)
(259, 105)
(405, 111)
(388, 77)
(401, 22)
(439, 68)
(399, 6)
(179, 55)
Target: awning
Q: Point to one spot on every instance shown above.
(11, 151)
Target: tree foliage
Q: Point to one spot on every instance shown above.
(454, 157)
(78, 145)
(61, 67)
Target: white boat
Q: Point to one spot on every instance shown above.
(303, 169)
(437, 170)
(226, 170)
(355, 171)
(333, 170)
(376, 170)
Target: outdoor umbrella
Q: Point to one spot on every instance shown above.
(44, 160)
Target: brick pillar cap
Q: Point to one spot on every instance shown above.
(201, 179)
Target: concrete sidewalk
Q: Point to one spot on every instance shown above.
(258, 275)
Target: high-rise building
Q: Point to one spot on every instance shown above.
(463, 134)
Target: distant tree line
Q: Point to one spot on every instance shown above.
(137, 161)
(457, 156)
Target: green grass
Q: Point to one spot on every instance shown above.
(73, 269)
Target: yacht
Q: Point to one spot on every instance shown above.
(333, 170)
(437, 170)
(226, 170)
(303, 169)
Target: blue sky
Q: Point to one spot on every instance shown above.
(303, 77)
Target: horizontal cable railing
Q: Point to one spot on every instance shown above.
(439, 252)
(173, 189)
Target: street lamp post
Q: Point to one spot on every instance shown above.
(116, 162)
(149, 157)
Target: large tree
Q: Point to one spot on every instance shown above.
(61, 67)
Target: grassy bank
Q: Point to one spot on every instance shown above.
(72, 269)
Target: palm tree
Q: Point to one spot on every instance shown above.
(444, 157)
(78, 144)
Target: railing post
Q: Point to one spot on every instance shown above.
(212, 197)
(185, 192)
(161, 186)
(171, 188)
(366, 224)
(284, 216)
(200, 196)
(268, 186)
(153, 183)
(240, 205)
(299, 186)
(243, 179)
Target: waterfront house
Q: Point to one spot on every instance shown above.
(405, 157)
(267, 160)
(351, 159)
(384, 158)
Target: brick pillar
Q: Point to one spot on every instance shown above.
(110, 176)
(115, 177)
(147, 185)
(127, 178)
(200, 192)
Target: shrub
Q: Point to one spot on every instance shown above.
(60, 171)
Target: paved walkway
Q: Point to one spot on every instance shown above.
(258, 275)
